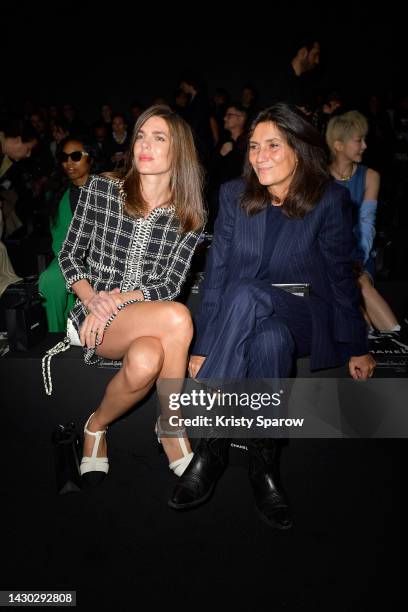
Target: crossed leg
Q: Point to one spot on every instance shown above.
(152, 339)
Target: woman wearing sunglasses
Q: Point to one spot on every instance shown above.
(76, 164)
(126, 256)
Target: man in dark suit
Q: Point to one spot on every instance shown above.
(292, 83)
(285, 222)
(197, 114)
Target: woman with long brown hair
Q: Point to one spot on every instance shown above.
(125, 257)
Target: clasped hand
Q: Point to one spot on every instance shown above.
(101, 306)
(362, 367)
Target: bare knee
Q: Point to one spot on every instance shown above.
(143, 362)
(179, 325)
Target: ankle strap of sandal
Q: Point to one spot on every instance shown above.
(171, 434)
(93, 433)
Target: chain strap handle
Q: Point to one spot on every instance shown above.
(61, 347)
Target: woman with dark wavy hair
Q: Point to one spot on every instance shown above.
(286, 221)
(126, 255)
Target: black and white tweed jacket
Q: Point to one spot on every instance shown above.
(113, 249)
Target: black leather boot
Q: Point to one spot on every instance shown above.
(264, 478)
(197, 483)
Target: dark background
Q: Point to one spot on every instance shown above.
(121, 542)
(93, 53)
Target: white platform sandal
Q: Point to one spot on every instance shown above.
(93, 469)
(179, 465)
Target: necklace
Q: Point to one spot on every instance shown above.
(344, 177)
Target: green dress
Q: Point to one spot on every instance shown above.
(58, 302)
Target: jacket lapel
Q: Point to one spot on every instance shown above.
(252, 242)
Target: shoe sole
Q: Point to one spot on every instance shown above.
(90, 480)
(195, 503)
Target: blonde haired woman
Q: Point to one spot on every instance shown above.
(126, 256)
(345, 136)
